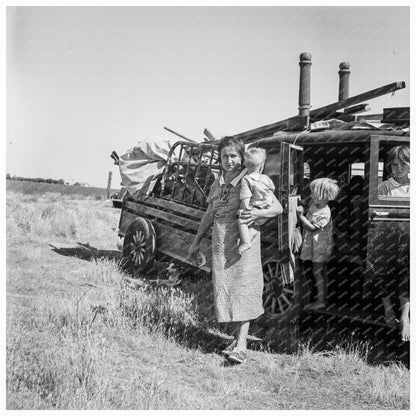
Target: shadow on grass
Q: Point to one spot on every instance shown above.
(86, 252)
(376, 345)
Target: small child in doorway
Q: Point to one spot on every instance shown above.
(256, 191)
(318, 239)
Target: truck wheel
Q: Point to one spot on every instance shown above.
(139, 245)
(281, 302)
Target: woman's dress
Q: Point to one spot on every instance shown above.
(237, 278)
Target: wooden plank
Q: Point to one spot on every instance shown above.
(175, 243)
(125, 220)
(145, 211)
(210, 136)
(172, 206)
(386, 89)
(263, 131)
(180, 135)
(359, 108)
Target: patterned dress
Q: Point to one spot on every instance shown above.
(318, 244)
(237, 278)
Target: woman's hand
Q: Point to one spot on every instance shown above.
(249, 216)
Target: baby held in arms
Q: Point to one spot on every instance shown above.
(257, 191)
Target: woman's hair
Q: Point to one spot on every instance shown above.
(402, 153)
(228, 141)
(254, 157)
(324, 188)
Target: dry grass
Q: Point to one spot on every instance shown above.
(80, 337)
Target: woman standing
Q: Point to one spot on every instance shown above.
(237, 278)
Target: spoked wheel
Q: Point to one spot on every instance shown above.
(280, 301)
(139, 245)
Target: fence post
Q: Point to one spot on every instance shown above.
(110, 174)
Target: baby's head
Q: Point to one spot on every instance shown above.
(324, 189)
(254, 159)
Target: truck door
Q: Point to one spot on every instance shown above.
(388, 229)
(288, 193)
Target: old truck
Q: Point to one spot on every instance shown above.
(325, 142)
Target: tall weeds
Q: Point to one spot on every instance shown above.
(93, 346)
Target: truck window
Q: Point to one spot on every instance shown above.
(393, 173)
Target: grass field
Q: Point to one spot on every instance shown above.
(81, 336)
(37, 188)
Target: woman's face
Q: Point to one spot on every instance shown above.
(230, 159)
(399, 170)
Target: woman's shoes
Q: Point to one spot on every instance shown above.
(230, 348)
(233, 355)
(237, 356)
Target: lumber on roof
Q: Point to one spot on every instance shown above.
(264, 131)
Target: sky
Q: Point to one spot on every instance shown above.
(84, 81)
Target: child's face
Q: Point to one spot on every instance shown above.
(399, 170)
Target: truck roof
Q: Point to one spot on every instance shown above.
(329, 136)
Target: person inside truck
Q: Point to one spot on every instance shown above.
(318, 239)
(404, 287)
(257, 191)
(398, 165)
(237, 278)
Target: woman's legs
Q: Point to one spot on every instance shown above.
(239, 354)
(242, 332)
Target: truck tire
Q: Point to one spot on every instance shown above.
(139, 245)
(282, 303)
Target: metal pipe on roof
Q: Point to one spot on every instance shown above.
(305, 83)
(344, 81)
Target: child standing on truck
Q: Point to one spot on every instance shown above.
(257, 191)
(318, 239)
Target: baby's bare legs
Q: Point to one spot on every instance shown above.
(245, 237)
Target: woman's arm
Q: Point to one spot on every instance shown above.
(254, 214)
(205, 224)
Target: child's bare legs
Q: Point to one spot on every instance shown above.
(246, 236)
(389, 315)
(245, 240)
(319, 272)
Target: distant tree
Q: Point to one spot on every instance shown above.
(8, 176)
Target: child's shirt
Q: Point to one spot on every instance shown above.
(318, 244)
(259, 188)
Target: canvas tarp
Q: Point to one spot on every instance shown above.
(142, 164)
